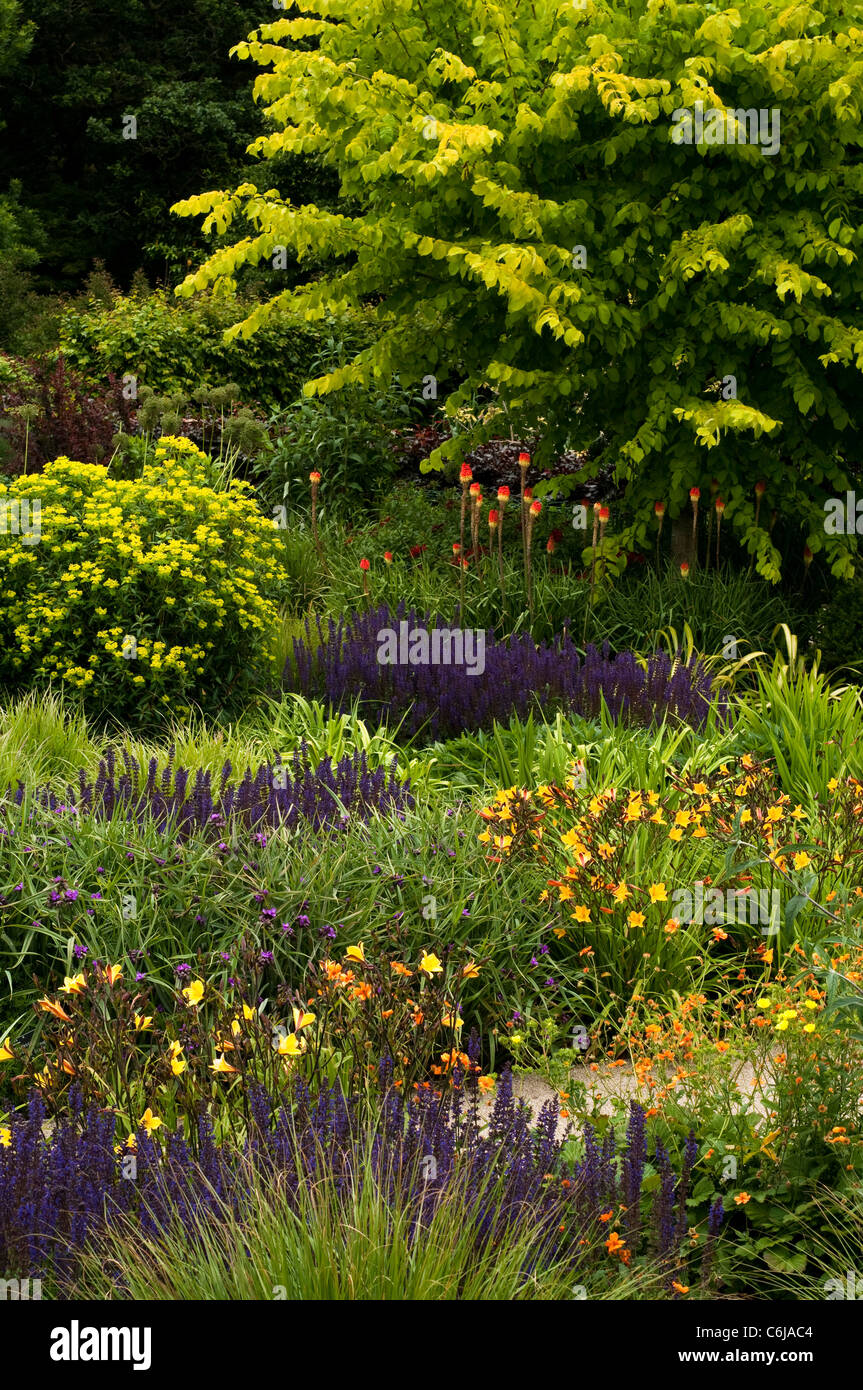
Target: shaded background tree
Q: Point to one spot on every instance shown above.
(74, 69)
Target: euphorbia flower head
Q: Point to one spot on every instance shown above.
(466, 473)
(364, 564)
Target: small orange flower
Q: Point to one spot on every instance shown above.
(741, 1199)
(56, 1010)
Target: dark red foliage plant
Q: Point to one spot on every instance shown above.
(52, 411)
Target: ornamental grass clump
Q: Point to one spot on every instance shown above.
(138, 596)
(340, 662)
(285, 794)
(65, 1193)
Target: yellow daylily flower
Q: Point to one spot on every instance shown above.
(114, 973)
(220, 1065)
(302, 1019)
(289, 1046)
(194, 993)
(142, 1022)
(430, 964)
(149, 1121)
(6, 1053)
(5, 1137)
(74, 984)
(356, 953)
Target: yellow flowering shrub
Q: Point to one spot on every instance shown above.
(142, 594)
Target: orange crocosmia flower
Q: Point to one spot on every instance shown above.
(614, 1244)
(56, 1010)
(606, 1215)
(679, 1288)
(362, 992)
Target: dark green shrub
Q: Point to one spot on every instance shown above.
(174, 346)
